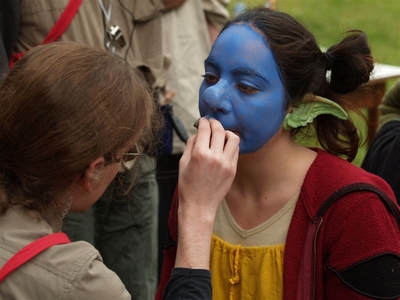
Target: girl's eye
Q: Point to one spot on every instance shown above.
(246, 89)
(210, 78)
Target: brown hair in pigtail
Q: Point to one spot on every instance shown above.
(339, 137)
(350, 63)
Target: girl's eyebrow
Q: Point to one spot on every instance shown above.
(238, 71)
(250, 72)
(209, 62)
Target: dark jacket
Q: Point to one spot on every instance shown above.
(383, 156)
(9, 27)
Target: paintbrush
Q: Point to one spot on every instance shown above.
(196, 123)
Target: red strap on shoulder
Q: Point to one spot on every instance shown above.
(58, 29)
(31, 250)
(63, 21)
(14, 58)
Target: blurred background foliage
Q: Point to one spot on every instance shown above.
(328, 20)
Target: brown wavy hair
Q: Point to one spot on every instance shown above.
(61, 106)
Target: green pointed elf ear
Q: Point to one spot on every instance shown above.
(309, 108)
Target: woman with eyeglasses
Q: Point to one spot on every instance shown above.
(70, 116)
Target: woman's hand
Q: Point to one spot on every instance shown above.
(206, 172)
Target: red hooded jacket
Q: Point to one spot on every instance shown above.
(358, 233)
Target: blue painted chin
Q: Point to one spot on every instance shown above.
(246, 147)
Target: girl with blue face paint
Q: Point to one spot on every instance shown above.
(242, 87)
(266, 81)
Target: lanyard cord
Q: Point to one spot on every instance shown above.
(107, 14)
(108, 44)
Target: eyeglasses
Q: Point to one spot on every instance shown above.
(126, 156)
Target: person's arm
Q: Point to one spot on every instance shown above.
(206, 172)
(217, 14)
(188, 284)
(362, 239)
(213, 32)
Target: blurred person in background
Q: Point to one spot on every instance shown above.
(189, 28)
(383, 157)
(9, 27)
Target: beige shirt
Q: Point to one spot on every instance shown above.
(69, 271)
(271, 232)
(187, 42)
(140, 23)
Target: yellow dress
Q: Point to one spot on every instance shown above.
(246, 273)
(248, 264)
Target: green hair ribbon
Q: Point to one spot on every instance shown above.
(309, 108)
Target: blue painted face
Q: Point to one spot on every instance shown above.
(242, 87)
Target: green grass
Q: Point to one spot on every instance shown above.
(329, 19)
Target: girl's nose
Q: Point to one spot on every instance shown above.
(217, 98)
